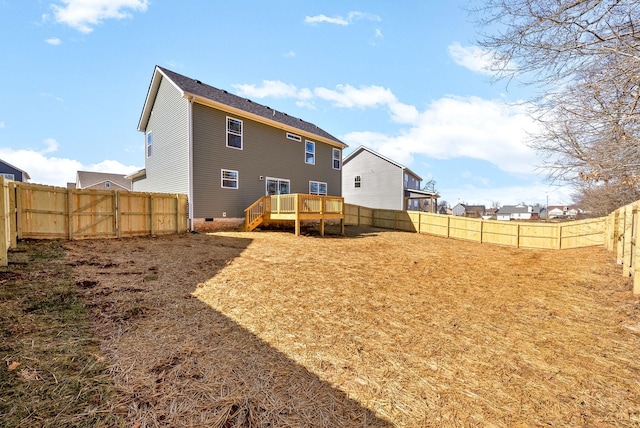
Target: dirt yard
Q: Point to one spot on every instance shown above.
(377, 328)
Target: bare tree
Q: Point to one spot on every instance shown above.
(583, 56)
(599, 200)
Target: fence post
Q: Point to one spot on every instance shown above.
(70, 214)
(626, 252)
(559, 237)
(151, 219)
(636, 262)
(4, 261)
(13, 228)
(117, 218)
(619, 235)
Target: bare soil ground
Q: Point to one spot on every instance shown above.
(377, 328)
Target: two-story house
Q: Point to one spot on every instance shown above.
(225, 151)
(372, 180)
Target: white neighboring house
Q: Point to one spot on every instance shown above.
(101, 180)
(515, 212)
(556, 211)
(372, 180)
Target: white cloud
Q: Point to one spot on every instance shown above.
(272, 88)
(346, 96)
(56, 171)
(339, 20)
(54, 41)
(478, 60)
(472, 57)
(318, 19)
(85, 14)
(448, 128)
(455, 127)
(290, 54)
(378, 34)
(2, 125)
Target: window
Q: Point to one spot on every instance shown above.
(278, 186)
(107, 185)
(149, 142)
(357, 182)
(317, 188)
(294, 137)
(310, 152)
(229, 179)
(337, 158)
(9, 176)
(234, 133)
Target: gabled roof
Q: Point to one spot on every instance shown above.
(24, 173)
(223, 100)
(513, 209)
(366, 149)
(86, 179)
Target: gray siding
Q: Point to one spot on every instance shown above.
(266, 152)
(381, 186)
(168, 167)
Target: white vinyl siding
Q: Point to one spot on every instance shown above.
(167, 170)
(381, 182)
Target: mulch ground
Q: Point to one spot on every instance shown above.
(377, 328)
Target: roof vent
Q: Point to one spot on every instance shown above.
(248, 100)
(198, 82)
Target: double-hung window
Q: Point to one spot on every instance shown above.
(337, 158)
(317, 188)
(229, 179)
(357, 181)
(149, 142)
(234, 133)
(310, 152)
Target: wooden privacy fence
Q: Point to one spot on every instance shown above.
(575, 234)
(622, 230)
(33, 211)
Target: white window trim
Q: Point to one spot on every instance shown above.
(326, 188)
(306, 152)
(266, 184)
(233, 133)
(294, 137)
(339, 159)
(222, 179)
(357, 182)
(148, 144)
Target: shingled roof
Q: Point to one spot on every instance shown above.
(195, 88)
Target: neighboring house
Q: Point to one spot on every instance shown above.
(10, 172)
(372, 180)
(473, 211)
(490, 213)
(515, 212)
(556, 211)
(225, 151)
(100, 180)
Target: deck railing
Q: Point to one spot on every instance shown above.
(295, 206)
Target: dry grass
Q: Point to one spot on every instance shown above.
(377, 328)
(51, 373)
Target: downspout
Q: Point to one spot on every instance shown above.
(190, 99)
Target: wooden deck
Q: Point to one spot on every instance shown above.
(295, 207)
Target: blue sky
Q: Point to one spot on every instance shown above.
(402, 78)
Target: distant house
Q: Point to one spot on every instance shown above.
(11, 172)
(372, 180)
(561, 211)
(473, 211)
(101, 180)
(225, 152)
(515, 212)
(490, 213)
